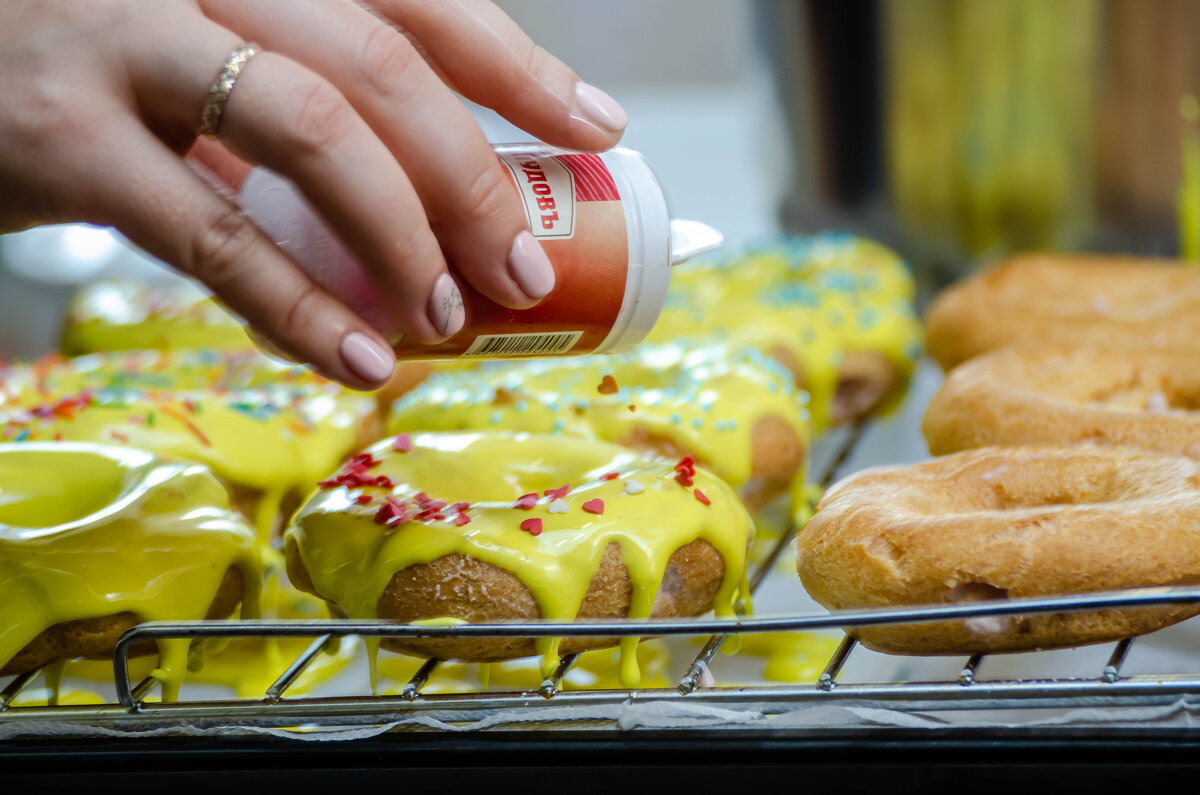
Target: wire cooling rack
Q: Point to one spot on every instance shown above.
(551, 706)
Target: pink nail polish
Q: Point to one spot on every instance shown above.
(368, 359)
(599, 108)
(530, 267)
(445, 310)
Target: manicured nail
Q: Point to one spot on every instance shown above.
(446, 306)
(530, 267)
(368, 359)
(599, 108)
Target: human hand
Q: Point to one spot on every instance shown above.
(352, 101)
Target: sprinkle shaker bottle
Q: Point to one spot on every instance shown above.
(602, 220)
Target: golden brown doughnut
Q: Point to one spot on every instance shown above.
(1006, 523)
(1044, 299)
(95, 638)
(1059, 395)
(494, 526)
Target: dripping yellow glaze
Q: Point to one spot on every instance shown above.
(704, 402)
(123, 315)
(815, 298)
(258, 424)
(351, 557)
(89, 531)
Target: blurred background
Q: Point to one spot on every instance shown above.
(955, 131)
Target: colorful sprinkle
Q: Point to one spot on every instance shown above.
(595, 506)
(402, 443)
(559, 493)
(558, 506)
(701, 496)
(608, 386)
(364, 499)
(533, 526)
(633, 487)
(526, 501)
(611, 476)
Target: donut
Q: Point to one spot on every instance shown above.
(735, 411)
(488, 526)
(1068, 395)
(268, 431)
(998, 523)
(835, 309)
(96, 539)
(161, 315)
(1052, 299)
(173, 315)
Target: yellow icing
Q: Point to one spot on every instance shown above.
(818, 298)
(123, 315)
(705, 402)
(89, 531)
(789, 656)
(351, 557)
(256, 423)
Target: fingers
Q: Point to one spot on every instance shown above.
(289, 119)
(488, 59)
(472, 206)
(147, 192)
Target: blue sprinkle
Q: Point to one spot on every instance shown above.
(719, 425)
(22, 435)
(559, 425)
(731, 424)
(520, 406)
(868, 318)
(676, 418)
(773, 387)
(697, 423)
(495, 418)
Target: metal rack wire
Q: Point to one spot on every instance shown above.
(554, 706)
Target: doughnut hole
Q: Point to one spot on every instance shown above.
(94, 638)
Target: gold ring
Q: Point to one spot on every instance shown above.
(218, 95)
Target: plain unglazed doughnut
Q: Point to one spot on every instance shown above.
(1006, 523)
(1051, 299)
(96, 539)
(1057, 395)
(490, 526)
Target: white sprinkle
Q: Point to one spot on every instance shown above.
(633, 487)
(558, 506)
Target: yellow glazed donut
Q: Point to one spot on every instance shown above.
(1053, 299)
(125, 315)
(267, 430)
(835, 309)
(737, 412)
(1063, 395)
(489, 526)
(1007, 522)
(96, 539)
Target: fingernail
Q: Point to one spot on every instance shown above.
(368, 359)
(599, 108)
(446, 306)
(530, 267)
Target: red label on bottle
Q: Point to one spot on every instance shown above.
(575, 211)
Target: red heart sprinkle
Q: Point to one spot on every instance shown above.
(684, 479)
(687, 462)
(608, 386)
(363, 499)
(595, 506)
(462, 519)
(702, 497)
(403, 443)
(532, 526)
(632, 407)
(559, 493)
(526, 501)
(611, 476)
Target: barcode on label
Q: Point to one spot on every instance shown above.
(523, 344)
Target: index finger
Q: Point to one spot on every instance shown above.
(487, 58)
